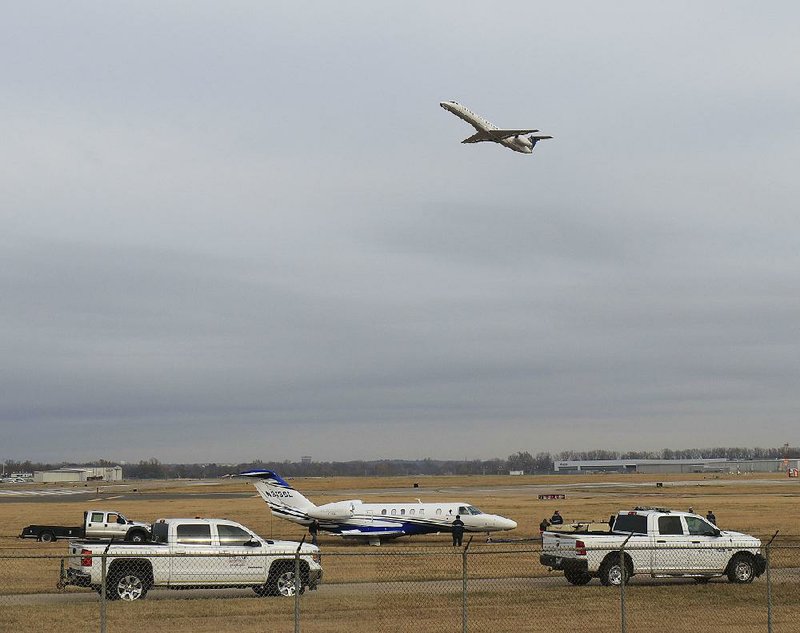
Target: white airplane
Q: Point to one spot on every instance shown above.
(371, 521)
(512, 139)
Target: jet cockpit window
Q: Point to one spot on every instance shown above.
(473, 510)
(463, 510)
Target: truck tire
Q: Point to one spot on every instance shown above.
(742, 568)
(127, 585)
(281, 581)
(136, 536)
(577, 576)
(47, 536)
(612, 574)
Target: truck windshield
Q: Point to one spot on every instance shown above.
(635, 523)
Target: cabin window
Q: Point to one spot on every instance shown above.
(112, 517)
(698, 527)
(97, 517)
(194, 534)
(394, 511)
(670, 525)
(421, 511)
(411, 511)
(438, 511)
(403, 511)
(383, 511)
(233, 535)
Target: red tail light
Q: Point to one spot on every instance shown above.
(86, 558)
(580, 548)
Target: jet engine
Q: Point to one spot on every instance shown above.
(338, 511)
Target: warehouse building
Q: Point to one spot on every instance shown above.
(664, 466)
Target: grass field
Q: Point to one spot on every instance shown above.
(414, 583)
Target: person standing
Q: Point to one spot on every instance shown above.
(458, 531)
(312, 530)
(544, 525)
(711, 518)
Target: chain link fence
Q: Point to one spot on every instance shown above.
(482, 587)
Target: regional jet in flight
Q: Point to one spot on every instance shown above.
(512, 139)
(371, 522)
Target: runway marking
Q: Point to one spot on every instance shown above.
(107, 498)
(41, 493)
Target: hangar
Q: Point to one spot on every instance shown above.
(659, 466)
(79, 474)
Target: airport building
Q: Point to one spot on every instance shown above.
(659, 466)
(81, 474)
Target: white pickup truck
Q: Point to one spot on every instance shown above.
(193, 553)
(96, 524)
(656, 542)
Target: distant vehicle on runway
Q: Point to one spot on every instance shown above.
(102, 524)
(522, 141)
(371, 522)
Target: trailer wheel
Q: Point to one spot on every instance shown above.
(47, 537)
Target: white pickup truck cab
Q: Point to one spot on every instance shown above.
(660, 543)
(193, 553)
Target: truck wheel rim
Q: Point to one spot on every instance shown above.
(743, 571)
(615, 575)
(286, 583)
(130, 588)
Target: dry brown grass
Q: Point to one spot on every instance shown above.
(758, 508)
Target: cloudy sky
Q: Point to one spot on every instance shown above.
(246, 230)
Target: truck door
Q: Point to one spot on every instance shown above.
(708, 551)
(115, 526)
(670, 554)
(95, 522)
(244, 560)
(187, 566)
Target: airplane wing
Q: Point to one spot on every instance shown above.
(499, 135)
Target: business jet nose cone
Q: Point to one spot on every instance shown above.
(509, 524)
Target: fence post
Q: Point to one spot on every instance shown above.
(298, 585)
(103, 587)
(769, 582)
(623, 570)
(464, 624)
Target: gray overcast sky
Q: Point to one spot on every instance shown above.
(243, 230)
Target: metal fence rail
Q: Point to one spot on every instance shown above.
(482, 587)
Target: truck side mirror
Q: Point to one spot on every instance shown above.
(717, 532)
(252, 543)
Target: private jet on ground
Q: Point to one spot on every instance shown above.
(371, 522)
(512, 139)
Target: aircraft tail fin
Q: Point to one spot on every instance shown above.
(282, 499)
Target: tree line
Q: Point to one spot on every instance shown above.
(540, 463)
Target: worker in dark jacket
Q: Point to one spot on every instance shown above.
(556, 519)
(711, 518)
(458, 531)
(544, 525)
